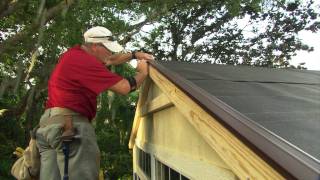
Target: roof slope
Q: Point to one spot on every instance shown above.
(281, 106)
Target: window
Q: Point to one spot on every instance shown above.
(163, 172)
(136, 177)
(144, 162)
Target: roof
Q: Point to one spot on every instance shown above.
(275, 110)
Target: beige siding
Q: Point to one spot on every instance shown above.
(173, 140)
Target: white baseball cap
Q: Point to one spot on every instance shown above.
(102, 35)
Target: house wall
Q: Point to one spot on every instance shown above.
(170, 139)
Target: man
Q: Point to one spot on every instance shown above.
(77, 79)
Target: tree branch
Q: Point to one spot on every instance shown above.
(16, 111)
(7, 7)
(17, 38)
(136, 30)
(137, 27)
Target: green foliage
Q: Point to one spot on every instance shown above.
(113, 125)
(9, 141)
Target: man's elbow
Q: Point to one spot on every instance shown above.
(122, 88)
(126, 89)
(124, 92)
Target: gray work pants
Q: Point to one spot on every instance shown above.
(84, 157)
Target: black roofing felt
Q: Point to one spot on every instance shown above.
(285, 103)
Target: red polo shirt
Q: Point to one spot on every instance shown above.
(77, 80)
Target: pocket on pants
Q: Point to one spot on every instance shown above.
(50, 135)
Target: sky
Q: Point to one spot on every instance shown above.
(311, 59)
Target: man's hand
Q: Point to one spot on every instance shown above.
(122, 58)
(144, 56)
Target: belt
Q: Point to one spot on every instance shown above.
(57, 115)
(60, 111)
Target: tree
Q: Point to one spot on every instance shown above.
(33, 34)
(260, 34)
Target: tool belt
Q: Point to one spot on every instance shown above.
(63, 116)
(59, 115)
(27, 167)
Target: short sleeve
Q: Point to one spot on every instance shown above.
(92, 74)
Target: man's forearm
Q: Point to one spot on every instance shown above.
(140, 77)
(122, 58)
(118, 59)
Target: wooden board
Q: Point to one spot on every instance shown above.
(156, 104)
(143, 95)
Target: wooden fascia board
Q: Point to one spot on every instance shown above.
(143, 95)
(245, 163)
(157, 104)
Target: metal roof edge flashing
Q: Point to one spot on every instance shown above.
(291, 159)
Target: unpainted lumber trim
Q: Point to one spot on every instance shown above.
(157, 104)
(241, 159)
(143, 95)
(141, 174)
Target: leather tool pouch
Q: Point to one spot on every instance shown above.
(69, 131)
(27, 167)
